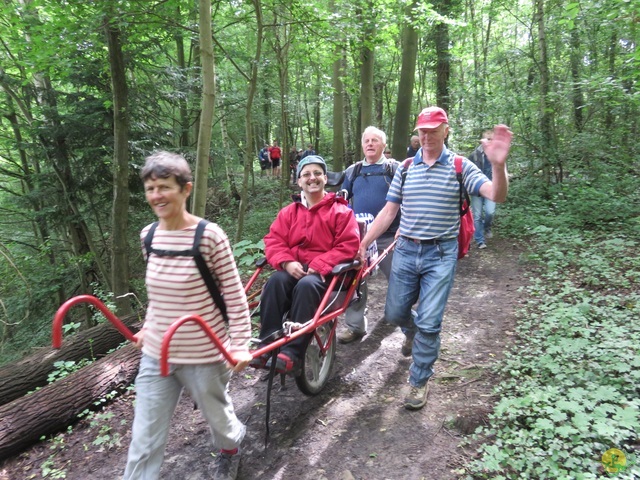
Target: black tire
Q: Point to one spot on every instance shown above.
(315, 368)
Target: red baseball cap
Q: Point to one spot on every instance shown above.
(431, 117)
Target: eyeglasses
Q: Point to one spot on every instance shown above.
(316, 174)
(387, 153)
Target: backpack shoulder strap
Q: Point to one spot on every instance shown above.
(357, 168)
(149, 239)
(464, 195)
(205, 272)
(390, 168)
(406, 164)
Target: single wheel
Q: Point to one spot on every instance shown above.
(316, 367)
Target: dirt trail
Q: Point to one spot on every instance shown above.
(356, 428)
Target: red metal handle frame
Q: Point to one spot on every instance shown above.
(381, 257)
(58, 318)
(317, 321)
(168, 335)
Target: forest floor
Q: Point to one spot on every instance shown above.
(356, 428)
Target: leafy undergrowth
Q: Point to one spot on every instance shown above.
(570, 389)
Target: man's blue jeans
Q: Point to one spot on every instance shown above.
(480, 205)
(422, 273)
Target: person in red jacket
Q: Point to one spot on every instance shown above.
(275, 154)
(307, 239)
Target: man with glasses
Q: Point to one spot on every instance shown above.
(307, 239)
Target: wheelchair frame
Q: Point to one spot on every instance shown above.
(316, 365)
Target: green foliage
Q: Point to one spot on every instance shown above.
(106, 439)
(246, 253)
(63, 368)
(569, 385)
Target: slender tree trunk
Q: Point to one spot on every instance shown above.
(282, 42)
(402, 119)
(183, 140)
(248, 122)
(546, 120)
(367, 60)
(199, 199)
(577, 96)
(316, 112)
(443, 63)
(611, 57)
(338, 108)
(120, 206)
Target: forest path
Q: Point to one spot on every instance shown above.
(356, 428)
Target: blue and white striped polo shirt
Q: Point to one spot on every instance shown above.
(430, 198)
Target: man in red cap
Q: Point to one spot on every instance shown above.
(425, 256)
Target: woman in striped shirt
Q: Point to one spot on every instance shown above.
(176, 288)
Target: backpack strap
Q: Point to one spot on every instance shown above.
(406, 164)
(465, 202)
(389, 170)
(357, 168)
(194, 252)
(206, 273)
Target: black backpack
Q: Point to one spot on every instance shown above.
(389, 170)
(194, 252)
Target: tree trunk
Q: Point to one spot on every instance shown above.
(248, 122)
(402, 119)
(443, 66)
(577, 97)
(199, 199)
(54, 407)
(120, 207)
(546, 121)
(338, 109)
(19, 378)
(182, 100)
(367, 59)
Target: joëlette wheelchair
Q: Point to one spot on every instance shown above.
(319, 356)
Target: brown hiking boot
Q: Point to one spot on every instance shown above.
(347, 336)
(407, 345)
(417, 397)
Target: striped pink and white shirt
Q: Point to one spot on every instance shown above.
(175, 288)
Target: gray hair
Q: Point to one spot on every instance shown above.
(163, 164)
(377, 132)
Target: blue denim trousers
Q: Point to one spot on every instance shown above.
(156, 400)
(423, 274)
(482, 207)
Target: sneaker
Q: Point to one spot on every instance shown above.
(407, 345)
(488, 234)
(260, 362)
(417, 397)
(348, 336)
(285, 362)
(225, 466)
(482, 246)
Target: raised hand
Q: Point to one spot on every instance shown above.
(497, 149)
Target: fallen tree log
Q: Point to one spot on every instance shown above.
(19, 378)
(54, 407)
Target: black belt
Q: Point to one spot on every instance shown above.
(431, 241)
